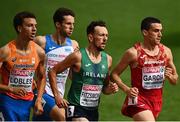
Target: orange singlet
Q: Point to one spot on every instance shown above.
(19, 70)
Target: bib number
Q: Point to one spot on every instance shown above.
(132, 101)
(70, 111)
(1, 117)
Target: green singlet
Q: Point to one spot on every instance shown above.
(87, 84)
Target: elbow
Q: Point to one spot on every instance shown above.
(174, 81)
(112, 76)
(105, 92)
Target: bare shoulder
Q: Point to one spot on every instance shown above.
(75, 45)
(77, 55)
(74, 59)
(109, 58)
(5, 52)
(41, 41)
(167, 50)
(131, 52)
(40, 51)
(130, 55)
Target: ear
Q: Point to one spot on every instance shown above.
(145, 32)
(19, 29)
(58, 24)
(90, 37)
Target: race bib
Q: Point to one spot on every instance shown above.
(132, 101)
(90, 95)
(21, 78)
(70, 111)
(1, 117)
(153, 77)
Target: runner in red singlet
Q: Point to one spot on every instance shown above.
(151, 63)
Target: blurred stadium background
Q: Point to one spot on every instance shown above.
(123, 18)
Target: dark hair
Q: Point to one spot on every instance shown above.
(93, 24)
(146, 22)
(60, 13)
(19, 18)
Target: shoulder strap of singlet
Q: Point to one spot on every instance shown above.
(48, 39)
(68, 42)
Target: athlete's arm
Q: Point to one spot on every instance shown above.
(170, 72)
(109, 87)
(41, 79)
(5, 54)
(70, 61)
(76, 48)
(41, 41)
(129, 57)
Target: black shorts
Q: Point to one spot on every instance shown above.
(78, 111)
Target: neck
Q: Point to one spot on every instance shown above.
(148, 46)
(22, 43)
(58, 38)
(151, 50)
(93, 52)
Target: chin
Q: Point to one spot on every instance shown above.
(31, 38)
(101, 49)
(157, 43)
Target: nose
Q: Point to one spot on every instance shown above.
(72, 26)
(160, 34)
(34, 28)
(105, 38)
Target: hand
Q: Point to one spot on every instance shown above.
(133, 92)
(168, 72)
(60, 102)
(18, 91)
(38, 108)
(113, 87)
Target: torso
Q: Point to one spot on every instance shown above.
(88, 82)
(19, 70)
(56, 53)
(148, 75)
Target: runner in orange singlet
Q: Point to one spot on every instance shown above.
(21, 59)
(151, 63)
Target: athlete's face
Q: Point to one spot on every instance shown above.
(67, 26)
(28, 28)
(154, 34)
(100, 37)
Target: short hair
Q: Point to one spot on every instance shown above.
(60, 13)
(19, 18)
(146, 22)
(93, 24)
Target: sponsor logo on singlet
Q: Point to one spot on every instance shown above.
(153, 76)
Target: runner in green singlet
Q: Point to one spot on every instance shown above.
(90, 71)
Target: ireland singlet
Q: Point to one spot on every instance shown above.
(56, 53)
(87, 84)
